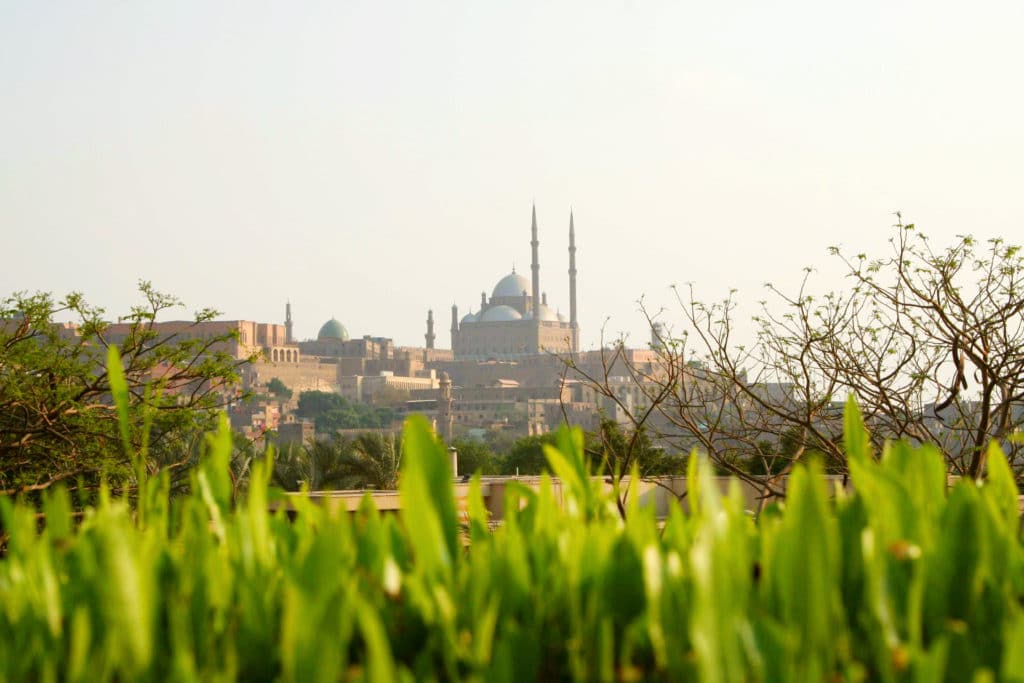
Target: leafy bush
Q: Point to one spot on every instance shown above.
(902, 580)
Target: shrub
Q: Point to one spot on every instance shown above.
(903, 579)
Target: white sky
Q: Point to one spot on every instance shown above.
(371, 160)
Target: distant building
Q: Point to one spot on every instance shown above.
(504, 370)
(517, 321)
(296, 432)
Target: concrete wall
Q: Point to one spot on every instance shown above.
(308, 374)
(658, 492)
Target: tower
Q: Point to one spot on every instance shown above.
(572, 284)
(288, 322)
(535, 267)
(455, 325)
(444, 408)
(430, 329)
(657, 336)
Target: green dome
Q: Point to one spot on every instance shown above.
(333, 329)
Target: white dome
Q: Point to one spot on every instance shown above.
(562, 318)
(546, 313)
(512, 285)
(470, 318)
(499, 314)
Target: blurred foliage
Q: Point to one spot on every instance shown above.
(903, 579)
(608, 450)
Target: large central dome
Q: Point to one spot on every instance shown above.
(512, 285)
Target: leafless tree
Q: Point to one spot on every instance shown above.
(930, 341)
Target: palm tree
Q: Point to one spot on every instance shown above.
(319, 463)
(372, 461)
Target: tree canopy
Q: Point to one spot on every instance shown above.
(331, 412)
(57, 418)
(279, 389)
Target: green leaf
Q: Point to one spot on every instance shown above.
(855, 436)
(428, 499)
(1001, 488)
(1013, 655)
(802, 571)
(119, 390)
(380, 664)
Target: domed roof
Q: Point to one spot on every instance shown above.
(512, 285)
(498, 314)
(333, 329)
(546, 313)
(562, 318)
(470, 318)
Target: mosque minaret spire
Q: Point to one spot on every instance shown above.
(455, 326)
(288, 339)
(430, 330)
(535, 267)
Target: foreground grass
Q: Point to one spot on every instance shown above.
(903, 580)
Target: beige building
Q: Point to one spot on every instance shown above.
(335, 362)
(247, 337)
(535, 393)
(363, 388)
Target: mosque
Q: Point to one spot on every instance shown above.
(516, 321)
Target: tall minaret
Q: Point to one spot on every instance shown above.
(535, 266)
(455, 325)
(288, 322)
(430, 329)
(572, 284)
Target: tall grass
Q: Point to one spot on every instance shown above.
(902, 580)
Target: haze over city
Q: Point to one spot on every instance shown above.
(370, 161)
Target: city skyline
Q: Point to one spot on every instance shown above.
(372, 161)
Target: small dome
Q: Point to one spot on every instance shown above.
(470, 318)
(512, 285)
(499, 314)
(546, 313)
(562, 318)
(332, 329)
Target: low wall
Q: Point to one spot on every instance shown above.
(657, 491)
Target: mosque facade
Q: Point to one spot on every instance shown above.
(517, 321)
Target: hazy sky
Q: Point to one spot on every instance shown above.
(371, 160)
